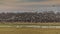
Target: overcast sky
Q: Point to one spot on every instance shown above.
(24, 5)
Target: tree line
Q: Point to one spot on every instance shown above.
(49, 16)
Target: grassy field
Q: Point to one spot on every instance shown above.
(23, 30)
(28, 31)
(39, 24)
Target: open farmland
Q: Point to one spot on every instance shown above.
(30, 23)
(29, 31)
(16, 29)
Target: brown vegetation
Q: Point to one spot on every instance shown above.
(29, 31)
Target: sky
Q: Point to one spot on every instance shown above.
(24, 5)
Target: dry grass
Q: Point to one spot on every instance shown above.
(27, 23)
(28, 31)
(13, 30)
